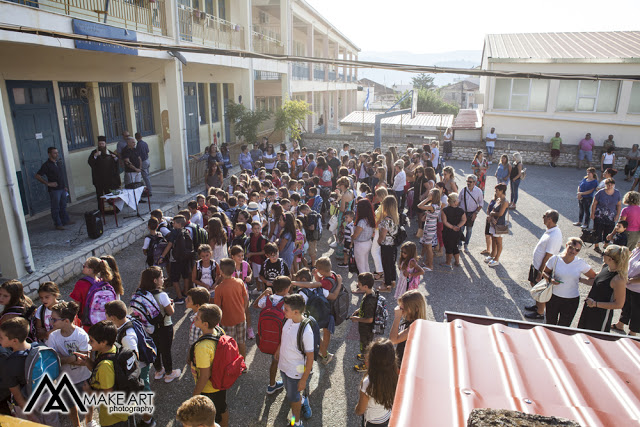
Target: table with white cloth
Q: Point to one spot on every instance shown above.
(129, 197)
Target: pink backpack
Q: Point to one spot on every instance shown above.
(99, 294)
(245, 271)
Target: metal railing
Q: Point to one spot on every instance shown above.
(299, 71)
(199, 27)
(332, 76)
(265, 44)
(318, 74)
(266, 75)
(139, 15)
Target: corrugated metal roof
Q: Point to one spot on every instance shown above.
(468, 119)
(423, 121)
(590, 45)
(449, 369)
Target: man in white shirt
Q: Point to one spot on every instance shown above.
(471, 200)
(550, 244)
(399, 182)
(344, 151)
(491, 143)
(435, 158)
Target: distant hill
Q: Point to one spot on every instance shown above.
(455, 59)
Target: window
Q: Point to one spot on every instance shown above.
(521, 94)
(600, 96)
(634, 102)
(76, 115)
(201, 106)
(143, 106)
(213, 93)
(112, 104)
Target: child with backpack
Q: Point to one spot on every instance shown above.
(196, 297)
(346, 236)
(244, 273)
(313, 229)
(273, 266)
(198, 411)
(154, 244)
(270, 325)
(180, 250)
(364, 316)
(49, 294)
(132, 336)
(232, 298)
(294, 361)
(67, 339)
(202, 353)
(256, 255)
(15, 302)
(205, 270)
(93, 291)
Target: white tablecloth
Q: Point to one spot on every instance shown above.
(130, 197)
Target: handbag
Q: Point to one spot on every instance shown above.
(501, 228)
(469, 215)
(333, 223)
(543, 290)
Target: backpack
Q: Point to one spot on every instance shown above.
(227, 364)
(147, 351)
(157, 245)
(326, 175)
(245, 271)
(200, 236)
(28, 314)
(353, 266)
(340, 305)
(314, 219)
(99, 294)
(309, 321)
(381, 315)
(126, 369)
(183, 246)
(40, 360)
(270, 327)
(400, 237)
(199, 270)
(146, 309)
(317, 203)
(318, 306)
(257, 246)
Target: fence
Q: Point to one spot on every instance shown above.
(199, 27)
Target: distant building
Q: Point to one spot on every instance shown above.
(381, 97)
(402, 88)
(467, 126)
(424, 124)
(461, 94)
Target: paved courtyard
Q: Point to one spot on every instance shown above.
(474, 288)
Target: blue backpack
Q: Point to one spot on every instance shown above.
(147, 351)
(40, 360)
(318, 306)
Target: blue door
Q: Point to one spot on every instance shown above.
(36, 126)
(192, 120)
(227, 123)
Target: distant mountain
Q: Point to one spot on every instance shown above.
(455, 59)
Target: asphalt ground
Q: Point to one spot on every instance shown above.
(473, 288)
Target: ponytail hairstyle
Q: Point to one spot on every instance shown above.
(148, 277)
(66, 310)
(18, 298)
(116, 282)
(382, 369)
(50, 288)
(99, 268)
(619, 254)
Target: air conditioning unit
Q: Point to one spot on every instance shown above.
(264, 18)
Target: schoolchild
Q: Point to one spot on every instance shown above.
(198, 411)
(244, 273)
(256, 255)
(364, 316)
(232, 298)
(347, 233)
(180, 260)
(273, 266)
(205, 270)
(49, 294)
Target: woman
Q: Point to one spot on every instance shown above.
(411, 307)
(631, 310)
(479, 167)
(449, 179)
(343, 185)
(387, 231)
(487, 226)
(362, 234)
(453, 219)
(608, 173)
(15, 302)
(217, 240)
(429, 239)
(287, 238)
(586, 191)
(608, 159)
(515, 178)
(226, 158)
(564, 271)
(447, 144)
(607, 290)
(381, 177)
(632, 162)
(325, 173)
(504, 170)
(283, 149)
(605, 211)
(631, 214)
(213, 156)
(497, 217)
(269, 158)
(244, 159)
(419, 189)
(214, 177)
(376, 251)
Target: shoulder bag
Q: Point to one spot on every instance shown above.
(543, 290)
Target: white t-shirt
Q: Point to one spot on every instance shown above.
(269, 160)
(375, 412)
(275, 299)
(305, 297)
(343, 153)
(65, 346)
(208, 273)
(568, 274)
(549, 243)
(196, 218)
(46, 322)
(399, 181)
(435, 157)
(164, 301)
(447, 136)
(130, 342)
(291, 360)
(491, 143)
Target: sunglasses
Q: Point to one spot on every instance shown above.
(573, 246)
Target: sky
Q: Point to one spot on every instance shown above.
(422, 26)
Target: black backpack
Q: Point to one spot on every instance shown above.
(200, 236)
(126, 369)
(183, 246)
(340, 306)
(311, 322)
(318, 306)
(314, 219)
(400, 237)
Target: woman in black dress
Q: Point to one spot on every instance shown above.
(453, 218)
(607, 290)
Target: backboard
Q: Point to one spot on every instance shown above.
(414, 103)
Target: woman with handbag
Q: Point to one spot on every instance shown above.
(564, 271)
(605, 211)
(498, 225)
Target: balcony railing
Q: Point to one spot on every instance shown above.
(332, 76)
(299, 72)
(139, 15)
(318, 74)
(199, 27)
(266, 75)
(265, 44)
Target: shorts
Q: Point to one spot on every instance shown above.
(255, 268)
(291, 387)
(219, 399)
(68, 400)
(487, 227)
(555, 153)
(347, 244)
(237, 332)
(490, 150)
(180, 269)
(533, 275)
(588, 154)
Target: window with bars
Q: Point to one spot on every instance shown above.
(76, 115)
(143, 105)
(201, 106)
(214, 103)
(113, 113)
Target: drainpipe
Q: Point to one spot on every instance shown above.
(14, 202)
(184, 107)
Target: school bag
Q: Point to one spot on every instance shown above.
(146, 309)
(381, 315)
(157, 245)
(340, 305)
(40, 360)
(99, 294)
(353, 266)
(29, 314)
(314, 219)
(126, 369)
(200, 236)
(183, 246)
(245, 271)
(326, 175)
(147, 351)
(400, 237)
(227, 365)
(212, 267)
(311, 322)
(318, 306)
(270, 327)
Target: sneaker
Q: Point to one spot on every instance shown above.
(159, 374)
(273, 388)
(343, 265)
(360, 356)
(494, 263)
(93, 423)
(327, 359)
(305, 410)
(172, 376)
(466, 249)
(333, 245)
(585, 226)
(550, 164)
(533, 307)
(360, 368)
(151, 423)
(534, 315)
(250, 334)
(488, 259)
(179, 301)
(577, 224)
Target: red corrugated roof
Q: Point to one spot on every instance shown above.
(452, 368)
(468, 119)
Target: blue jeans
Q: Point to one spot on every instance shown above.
(58, 199)
(514, 190)
(291, 387)
(467, 236)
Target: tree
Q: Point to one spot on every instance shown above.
(430, 101)
(290, 115)
(423, 81)
(246, 122)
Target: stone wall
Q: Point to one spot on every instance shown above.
(533, 153)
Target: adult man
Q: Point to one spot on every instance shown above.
(104, 169)
(549, 244)
(585, 149)
(56, 184)
(312, 164)
(556, 145)
(491, 143)
(256, 155)
(142, 148)
(121, 145)
(471, 200)
(334, 163)
(608, 143)
(132, 163)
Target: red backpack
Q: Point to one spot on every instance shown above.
(227, 365)
(270, 327)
